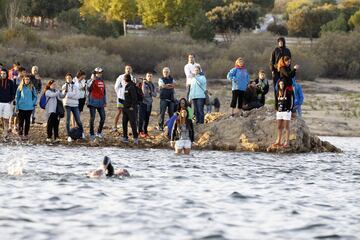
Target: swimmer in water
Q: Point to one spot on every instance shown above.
(107, 169)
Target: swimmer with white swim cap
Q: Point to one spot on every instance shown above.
(107, 169)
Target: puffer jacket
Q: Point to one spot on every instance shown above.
(239, 78)
(71, 98)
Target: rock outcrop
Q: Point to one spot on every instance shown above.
(255, 131)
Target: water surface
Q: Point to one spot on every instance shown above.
(210, 195)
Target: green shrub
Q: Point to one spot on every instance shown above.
(199, 28)
(277, 29)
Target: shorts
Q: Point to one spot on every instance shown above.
(283, 116)
(6, 110)
(120, 103)
(181, 144)
(82, 104)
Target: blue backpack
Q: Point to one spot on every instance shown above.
(43, 102)
(170, 124)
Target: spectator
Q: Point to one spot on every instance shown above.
(182, 135)
(250, 97)
(167, 96)
(198, 95)
(130, 110)
(189, 70)
(97, 102)
(299, 98)
(36, 81)
(262, 86)
(239, 77)
(149, 92)
(120, 92)
(7, 95)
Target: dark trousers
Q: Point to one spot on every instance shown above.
(199, 109)
(76, 112)
(101, 111)
(24, 121)
(163, 105)
(53, 125)
(129, 115)
(237, 99)
(144, 117)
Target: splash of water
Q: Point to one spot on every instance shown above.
(15, 167)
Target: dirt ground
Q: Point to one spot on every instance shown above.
(331, 108)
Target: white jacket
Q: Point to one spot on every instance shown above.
(71, 98)
(189, 70)
(120, 86)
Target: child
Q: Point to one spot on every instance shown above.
(26, 97)
(240, 78)
(182, 134)
(284, 101)
(299, 98)
(262, 86)
(52, 96)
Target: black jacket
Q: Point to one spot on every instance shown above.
(7, 91)
(175, 133)
(285, 103)
(36, 82)
(276, 55)
(130, 95)
(287, 74)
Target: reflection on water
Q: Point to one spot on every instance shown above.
(212, 195)
(15, 166)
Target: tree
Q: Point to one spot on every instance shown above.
(307, 21)
(200, 28)
(277, 29)
(12, 11)
(49, 9)
(110, 9)
(337, 25)
(354, 20)
(171, 13)
(234, 18)
(265, 5)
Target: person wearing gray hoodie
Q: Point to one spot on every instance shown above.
(71, 103)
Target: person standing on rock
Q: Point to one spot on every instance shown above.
(280, 51)
(240, 78)
(284, 102)
(120, 93)
(189, 70)
(182, 134)
(262, 86)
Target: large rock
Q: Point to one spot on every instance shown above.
(256, 131)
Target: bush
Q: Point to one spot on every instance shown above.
(277, 29)
(337, 25)
(340, 54)
(199, 28)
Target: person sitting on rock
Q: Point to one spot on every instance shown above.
(284, 101)
(262, 86)
(250, 97)
(182, 135)
(107, 169)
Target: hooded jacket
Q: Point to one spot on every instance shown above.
(130, 95)
(26, 98)
(120, 86)
(72, 96)
(7, 91)
(197, 87)
(51, 101)
(239, 78)
(97, 93)
(278, 53)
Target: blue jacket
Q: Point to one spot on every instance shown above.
(239, 77)
(26, 99)
(299, 95)
(197, 87)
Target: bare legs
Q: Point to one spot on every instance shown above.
(117, 117)
(281, 124)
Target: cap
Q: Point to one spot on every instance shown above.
(98, 70)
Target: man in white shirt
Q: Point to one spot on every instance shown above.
(120, 92)
(189, 70)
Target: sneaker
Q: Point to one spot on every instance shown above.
(83, 136)
(69, 139)
(125, 140)
(57, 140)
(99, 135)
(113, 129)
(92, 138)
(136, 141)
(48, 140)
(142, 135)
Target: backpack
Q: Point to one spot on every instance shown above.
(75, 133)
(60, 111)
(43, 101)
